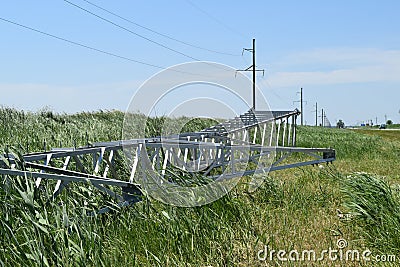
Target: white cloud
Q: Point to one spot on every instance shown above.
(345, 66)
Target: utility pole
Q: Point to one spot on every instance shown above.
(322, 118)
(376, 120)
(301, 104)
(316, 114)
(385, 118)
(253, 69)
(254, 74)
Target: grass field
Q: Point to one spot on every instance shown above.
(294, 209)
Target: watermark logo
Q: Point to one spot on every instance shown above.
(193, 90)
(339, 253)
(341, 243)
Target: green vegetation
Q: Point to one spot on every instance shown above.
(394, 126)
(391, 135)
(375, 206)
(294, 209)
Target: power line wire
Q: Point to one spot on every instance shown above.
(148, 39)
(90, 47)
(270, 89)
(215, 19)
(159, 33)
(132, 32)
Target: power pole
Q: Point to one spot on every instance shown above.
(253, 69)
(316, 114)
(385, 118)
(301, 104)
(254, 74)
(376, 120)
(322, 118)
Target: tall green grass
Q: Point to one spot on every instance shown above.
(295, 208)
(375, 207)
(38, 232)
(349, 144)
(43, 130)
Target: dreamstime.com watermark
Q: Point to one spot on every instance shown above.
(340, 253)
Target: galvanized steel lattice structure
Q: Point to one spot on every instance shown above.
(261, 140)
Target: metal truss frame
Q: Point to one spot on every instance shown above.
(262, 141)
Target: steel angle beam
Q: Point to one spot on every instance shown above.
(261, 138)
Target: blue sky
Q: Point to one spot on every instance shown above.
(345, 54)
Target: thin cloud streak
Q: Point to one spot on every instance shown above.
(347, 66)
